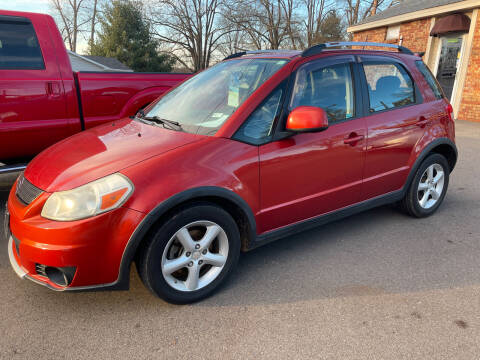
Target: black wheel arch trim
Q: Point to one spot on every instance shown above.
(425, 152)
(162, 208)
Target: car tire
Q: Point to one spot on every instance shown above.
(428, 187)
(191, 254)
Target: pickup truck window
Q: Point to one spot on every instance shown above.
(204, 102)
(19, 48)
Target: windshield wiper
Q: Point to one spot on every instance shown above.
(158, 120)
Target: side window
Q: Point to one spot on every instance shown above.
(330, 88)
(258, 127)
(389, 86)
(19, 48)
(432, 82)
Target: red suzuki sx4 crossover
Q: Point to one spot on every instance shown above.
(260, 146)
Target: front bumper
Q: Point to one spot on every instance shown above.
(92, 247)
(22, 273)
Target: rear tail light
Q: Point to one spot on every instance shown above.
(450, 112)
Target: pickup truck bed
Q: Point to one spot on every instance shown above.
(43, 101)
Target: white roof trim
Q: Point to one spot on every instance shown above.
(464, 5)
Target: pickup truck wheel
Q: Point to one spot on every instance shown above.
(428, 188)
(191, 254)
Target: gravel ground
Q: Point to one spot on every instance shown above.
(378, 285)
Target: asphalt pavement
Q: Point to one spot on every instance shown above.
(378, 285)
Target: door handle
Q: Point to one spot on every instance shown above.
(352, 139)
(53, 88)
(422, 121)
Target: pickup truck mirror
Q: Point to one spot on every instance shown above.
(307, 119)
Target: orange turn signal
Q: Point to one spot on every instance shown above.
(111, 199)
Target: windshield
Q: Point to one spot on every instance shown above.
(204, 102)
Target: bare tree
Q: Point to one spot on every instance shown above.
(265, 22)
(93, 22)
(316, 11)
(358, 10)
(192, 28)
(69, 14)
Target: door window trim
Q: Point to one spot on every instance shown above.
(14, 20)
(373, 59)
(280, 132)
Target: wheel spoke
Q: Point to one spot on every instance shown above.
(430, 172)
(173, 265)
(211, 233)
(438, 177)
(185, 239)
(192, 279)
(435, 194)
(422, 186)
(214, 259)
(424, 199)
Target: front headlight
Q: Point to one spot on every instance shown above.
(88, 200)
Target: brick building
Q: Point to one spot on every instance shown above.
(448, 32)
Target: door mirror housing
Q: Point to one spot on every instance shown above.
(307, 119)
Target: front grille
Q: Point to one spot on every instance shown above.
(26, 192)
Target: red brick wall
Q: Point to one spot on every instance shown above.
(470, 104)
(414, 33)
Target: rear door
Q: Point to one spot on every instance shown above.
(396, 119)
(32, 104)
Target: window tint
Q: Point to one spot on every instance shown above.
(258, 127)
(427, 74)
(389, 86)
(19, 48)
(330, 88)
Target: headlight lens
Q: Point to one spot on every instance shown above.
(88, 200)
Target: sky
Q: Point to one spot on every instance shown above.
(38, 6)
(25, 5)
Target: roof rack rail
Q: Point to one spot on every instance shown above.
(317, 49)
(238, 54)
(250, 52)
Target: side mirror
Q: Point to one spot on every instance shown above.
(307, 119)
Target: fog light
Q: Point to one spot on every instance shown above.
(61, 276)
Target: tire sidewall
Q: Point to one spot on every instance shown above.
(430, 160)
(152, 262)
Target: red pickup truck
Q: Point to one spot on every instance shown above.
(43, 101)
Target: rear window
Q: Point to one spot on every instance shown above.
(432, 82)
(389, 86)
(19, 48)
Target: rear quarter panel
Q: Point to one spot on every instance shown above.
(110, 96)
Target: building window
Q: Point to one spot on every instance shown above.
(393, 32)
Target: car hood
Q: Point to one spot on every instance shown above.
(100, 151)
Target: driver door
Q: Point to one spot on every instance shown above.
(310, 174)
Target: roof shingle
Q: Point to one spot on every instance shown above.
(112, 63)
(407, 6)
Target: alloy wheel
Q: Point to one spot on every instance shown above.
(195, 255)
(431, 185)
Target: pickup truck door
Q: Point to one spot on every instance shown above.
(32, 104)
